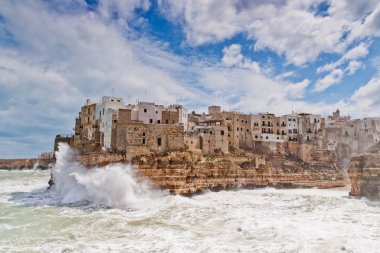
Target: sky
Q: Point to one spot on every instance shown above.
(250, 56)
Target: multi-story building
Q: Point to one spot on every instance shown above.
(107, 112)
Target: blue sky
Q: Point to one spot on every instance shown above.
(248, 55)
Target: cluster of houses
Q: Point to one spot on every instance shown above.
(111, 125)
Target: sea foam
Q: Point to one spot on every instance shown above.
(113, 185)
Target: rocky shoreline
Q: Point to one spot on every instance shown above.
(26, 163)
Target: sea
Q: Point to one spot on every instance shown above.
(109, 209)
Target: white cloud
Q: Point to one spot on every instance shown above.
(353, 66)
(333, 78)
(232, 57)
(289, 28)
(355, 53)
(367, 97)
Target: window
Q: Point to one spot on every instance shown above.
(118, 100)
(88, 119)
(222, 132)
(237, 119)
(145, 110)
(290, 131)
(247, 130)
(112, 100)
(256, 136)
(237, 129)
(266, 137)
(143, 133)
(158, 141)
(156, 111)
(158, 121)
(278, 138)
(143, 141)
(150, 121)
(241, 129)
(167, 121)
(242, 121)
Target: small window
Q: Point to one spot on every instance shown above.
(143, 133)
(156, 112)
(158, 121)
(241, 129)
(118, 100)
(143, 141)
(242, 121)
(255, 136)
(167, 121)
(237, 129)
(222, 132)
(150, 121)
(237, 120)
(112, 100)
(145, 110)
(266, 137)
(158, 141)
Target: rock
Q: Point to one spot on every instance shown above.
(364, 174)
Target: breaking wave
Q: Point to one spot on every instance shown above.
(113, 185)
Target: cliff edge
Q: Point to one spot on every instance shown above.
(187, 173)
(364, 174)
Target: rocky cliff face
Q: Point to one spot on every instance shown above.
(29, 163)
(364, 174)
(187, 173)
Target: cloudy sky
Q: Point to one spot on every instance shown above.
(253, 56)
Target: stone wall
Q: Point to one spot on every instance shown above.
(158, 138)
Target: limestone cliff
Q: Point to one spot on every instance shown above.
(364, 174)
(188, 172)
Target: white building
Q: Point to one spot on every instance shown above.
(106, 112)
(146, 112)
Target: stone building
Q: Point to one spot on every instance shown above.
(208, 136)
(182, 113)
(135, 138)
(86, 130)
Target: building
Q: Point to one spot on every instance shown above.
(147, 113)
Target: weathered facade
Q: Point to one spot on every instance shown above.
(135, 137)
